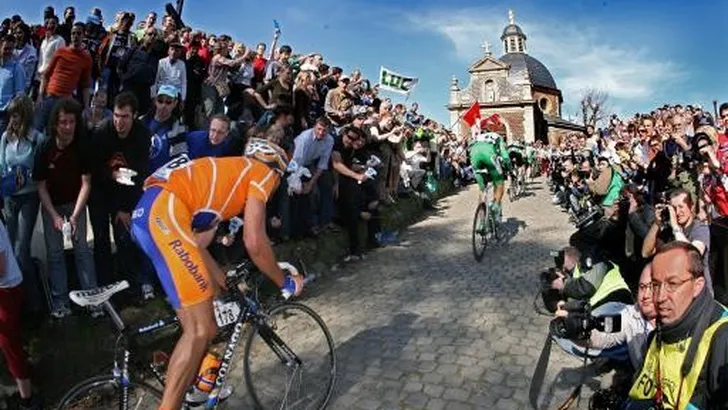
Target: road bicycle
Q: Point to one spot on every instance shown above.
(485, 226)
(282, 344)
(517, 185)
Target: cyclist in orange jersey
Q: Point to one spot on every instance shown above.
(175, 221)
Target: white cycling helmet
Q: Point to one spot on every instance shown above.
(267, 153)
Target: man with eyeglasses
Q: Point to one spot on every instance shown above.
(685, 364)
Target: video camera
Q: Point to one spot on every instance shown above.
(579, 323)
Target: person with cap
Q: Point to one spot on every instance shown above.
(95, 33)
(113, 49)
(337, 102)
(168, 133)
(171, 70)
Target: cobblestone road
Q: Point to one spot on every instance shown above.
(424, 326)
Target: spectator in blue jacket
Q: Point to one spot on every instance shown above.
(12, 77)
(215, 142)
(168, 133)
(18, 147)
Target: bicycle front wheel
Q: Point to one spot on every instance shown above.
(289, 360)
(104, 392)
(480, 240)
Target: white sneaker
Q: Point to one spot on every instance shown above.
(147, 292)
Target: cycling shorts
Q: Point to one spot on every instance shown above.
(516, 159)
(484, 156)
(162, 226)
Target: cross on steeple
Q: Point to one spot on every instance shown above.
(511, 16)
(486, 47)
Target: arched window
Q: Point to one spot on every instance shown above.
(512, 44)
(544, 104)
(489, 91)
(520, 45)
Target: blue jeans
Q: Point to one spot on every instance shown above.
(303, 217)
(129, 256)
(56, 258)
(21, 212)
(44, 112)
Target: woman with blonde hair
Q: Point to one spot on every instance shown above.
(17, 156)
(304, 94)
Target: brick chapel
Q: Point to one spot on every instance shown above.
(516, 86)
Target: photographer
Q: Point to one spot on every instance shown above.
(599, 283)
(637, 321)
(712, 178)
(640, 217)
(676, 222)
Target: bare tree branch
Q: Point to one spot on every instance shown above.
(594, 106)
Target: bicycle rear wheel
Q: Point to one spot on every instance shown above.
(480, 241)
(289, 360)
(103, 393)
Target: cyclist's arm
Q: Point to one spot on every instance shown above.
(257, 242)
(503, 152)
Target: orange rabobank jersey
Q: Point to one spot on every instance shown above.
(215, 188)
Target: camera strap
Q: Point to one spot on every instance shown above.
(576, 394)
(539, 373)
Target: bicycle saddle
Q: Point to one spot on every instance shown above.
(97, 296)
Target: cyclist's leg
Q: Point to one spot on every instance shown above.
(180, 264)
(498, 177)
(477, 161)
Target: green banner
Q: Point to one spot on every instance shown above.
(395, 82)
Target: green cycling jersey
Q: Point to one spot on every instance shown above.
(488, 151)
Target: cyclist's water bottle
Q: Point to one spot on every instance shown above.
(207, 375)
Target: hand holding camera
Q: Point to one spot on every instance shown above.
(665, 214)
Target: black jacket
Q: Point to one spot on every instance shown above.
(111, 153)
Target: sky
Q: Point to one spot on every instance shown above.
(644, 53)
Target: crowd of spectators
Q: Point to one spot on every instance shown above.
(147, 93)
(648, 196)
(81, 99)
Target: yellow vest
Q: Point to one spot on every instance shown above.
(612, 282)
(671, 357)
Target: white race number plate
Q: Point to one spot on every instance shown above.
(226, 313)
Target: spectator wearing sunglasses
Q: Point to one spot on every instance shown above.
(168, 134)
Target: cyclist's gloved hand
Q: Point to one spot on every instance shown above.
(292, 282)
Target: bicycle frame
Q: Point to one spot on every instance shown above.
(125, 339)
(250, 313)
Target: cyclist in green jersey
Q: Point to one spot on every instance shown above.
(517, 155)
(488, 151)
(530, 159)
